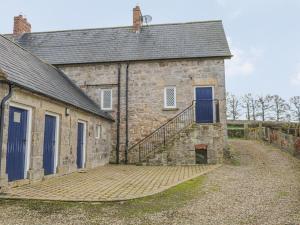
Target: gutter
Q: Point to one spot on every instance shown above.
(143, 60)
(105, 116)
(2, 109)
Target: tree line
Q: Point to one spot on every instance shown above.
(263, 108)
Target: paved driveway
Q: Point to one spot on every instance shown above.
(109, 183)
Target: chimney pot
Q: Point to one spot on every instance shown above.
(137, 19)
(21, 25)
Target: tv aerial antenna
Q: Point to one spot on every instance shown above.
(146, 19)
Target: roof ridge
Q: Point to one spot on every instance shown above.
(118, 27)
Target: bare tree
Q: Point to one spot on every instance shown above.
(254, 107)
(250, 105)
(295, 107)
(280, 107)
(246, 104)
(264, 105)
(233, 105)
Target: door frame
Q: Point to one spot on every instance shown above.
(213, 98)
(57, 140)
(84, 142)
(28, 134)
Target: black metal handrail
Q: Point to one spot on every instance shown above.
(162, 135)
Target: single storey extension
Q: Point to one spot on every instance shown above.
(48, 125)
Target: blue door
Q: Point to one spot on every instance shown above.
(80, 145)
(16, 144)
(49, 145)
(204, 105)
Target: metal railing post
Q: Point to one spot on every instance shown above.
(164, 136)
(139, 153)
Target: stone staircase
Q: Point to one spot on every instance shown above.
(155, 143)
(174, 142)
(181, 150)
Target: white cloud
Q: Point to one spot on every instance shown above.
(243, 62)
(295, 79)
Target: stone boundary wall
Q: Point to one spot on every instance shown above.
(287, 140)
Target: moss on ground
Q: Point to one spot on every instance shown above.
(282, 194)
(172, 198)
(232, 156)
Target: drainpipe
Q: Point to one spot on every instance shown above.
(126, 143)
(2, 107)
(118, 116)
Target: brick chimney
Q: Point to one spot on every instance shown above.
(21, 25)
(137, 19)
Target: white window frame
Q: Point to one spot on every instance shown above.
(165, 97)
(57, 139)
(28, 134)
(98, 133)
(102, 99)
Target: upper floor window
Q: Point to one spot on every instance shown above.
(106, 99)
(170, 97)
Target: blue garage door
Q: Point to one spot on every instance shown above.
(80, 145)
(16, 145)
(49, 145)
(204, 105)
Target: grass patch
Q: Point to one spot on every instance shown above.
(169, 199)
(282, 194)
(236, 138)
(172, 198)
(235, 126)
(214, 188)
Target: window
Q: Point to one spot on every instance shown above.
(170, 97)
(98, 131)
(106, 99)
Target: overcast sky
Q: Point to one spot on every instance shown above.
(264, 35)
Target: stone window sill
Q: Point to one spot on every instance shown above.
(170, 109)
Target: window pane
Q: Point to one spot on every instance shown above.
(170, 97)
(98, 131)
(106, 98)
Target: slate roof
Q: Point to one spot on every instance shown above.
(29, 72)
(165, 41)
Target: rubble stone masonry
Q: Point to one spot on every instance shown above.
(97, 150)
(147, 80)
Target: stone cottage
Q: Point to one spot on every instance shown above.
(164, 84)
(48, 125)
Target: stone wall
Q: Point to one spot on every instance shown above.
(97, 150)
(146, 90)
(182, 151)
(276, 137)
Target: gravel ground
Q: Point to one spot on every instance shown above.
(261, 187)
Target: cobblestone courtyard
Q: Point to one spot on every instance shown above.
(260, 186)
